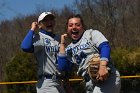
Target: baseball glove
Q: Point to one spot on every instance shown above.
(93, 67)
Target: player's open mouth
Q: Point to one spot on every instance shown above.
(75, 32)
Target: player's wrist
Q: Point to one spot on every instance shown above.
(104, 59)
(32, 29)
(62, 43)
(103, 65)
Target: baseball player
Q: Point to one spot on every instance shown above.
(84, 44)
(45, 46)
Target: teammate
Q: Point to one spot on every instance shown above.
(84, 44)
(45, 47)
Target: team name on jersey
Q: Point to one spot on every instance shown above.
(49, 47)
(78, 48)
(52, 48)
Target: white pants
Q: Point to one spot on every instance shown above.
(49, 86)
(111, 85)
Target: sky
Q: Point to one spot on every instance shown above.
(10, 9)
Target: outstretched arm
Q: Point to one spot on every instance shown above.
(105, 56)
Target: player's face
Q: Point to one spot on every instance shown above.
(48, 23)
(75, 28)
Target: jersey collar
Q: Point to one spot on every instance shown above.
(47, 33)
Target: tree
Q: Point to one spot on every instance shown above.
(117, 19)
(22, 67)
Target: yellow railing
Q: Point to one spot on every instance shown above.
(75, 79)
(137, 76)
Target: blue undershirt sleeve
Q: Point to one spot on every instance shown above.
(64, 64)
(104, 49)
(27, 43)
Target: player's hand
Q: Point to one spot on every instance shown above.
(103, 72)
(62, 44)
(34, 26)
(63, 38)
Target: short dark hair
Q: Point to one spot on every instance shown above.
(76, 16)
